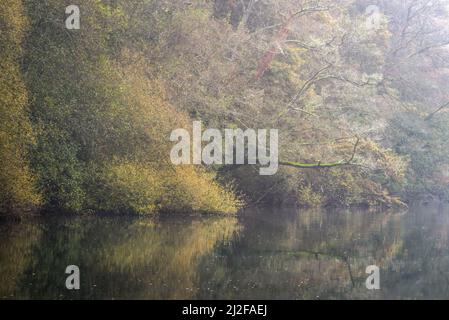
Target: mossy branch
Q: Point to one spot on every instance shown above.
(432, 114)
(320, 165)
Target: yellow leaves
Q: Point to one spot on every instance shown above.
(326, 18)
(16, 180)
(393, 165)
(202, 192)
(14, 23)
(289, 65)
(307, 197)
(143, 180)
(132, 186)
(144, 189)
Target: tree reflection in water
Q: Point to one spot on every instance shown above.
(266, 254)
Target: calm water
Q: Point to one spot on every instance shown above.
(260, 254)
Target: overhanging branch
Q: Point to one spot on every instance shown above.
(320, 165)
(431, 115)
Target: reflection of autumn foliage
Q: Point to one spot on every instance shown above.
(17, 247)
(167, 255)
(312, 254)
(119, 257)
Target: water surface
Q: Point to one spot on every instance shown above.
(260, 254)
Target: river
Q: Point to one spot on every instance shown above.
(259, 254)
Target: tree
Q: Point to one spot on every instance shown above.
(16, 135)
